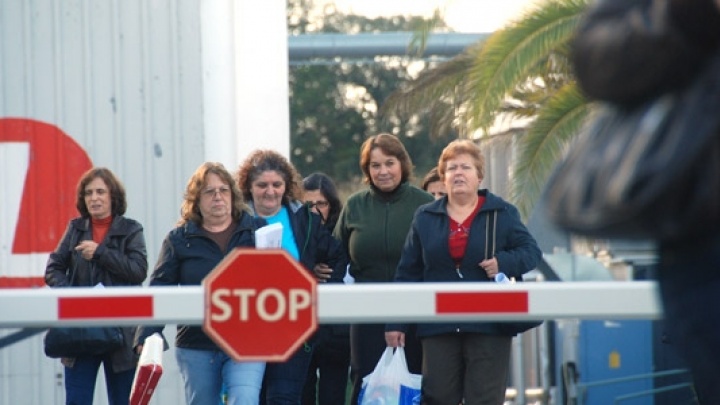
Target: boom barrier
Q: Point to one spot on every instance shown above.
(356, 303)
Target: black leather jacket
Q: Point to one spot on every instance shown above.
(119, 260)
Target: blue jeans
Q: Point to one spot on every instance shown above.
(284, 382)
(205, 371)
(80, 381)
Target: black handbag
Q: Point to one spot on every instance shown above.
(82, 341)
(651, 171)
(506, 328)
(77, 342)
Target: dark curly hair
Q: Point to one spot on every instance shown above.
(265, 160)
(190, 209)
(117, 191)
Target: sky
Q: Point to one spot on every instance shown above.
(462, 15)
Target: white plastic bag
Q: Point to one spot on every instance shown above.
(391, 383)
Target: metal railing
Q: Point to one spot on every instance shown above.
(582, 388)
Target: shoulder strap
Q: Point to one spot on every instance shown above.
(488, 236)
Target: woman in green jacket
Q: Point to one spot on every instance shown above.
(373, 226)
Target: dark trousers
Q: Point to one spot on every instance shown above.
(472, 366)
(367, 344)
(80, 381)
(331, 360)
(283, 382)
(689, 278)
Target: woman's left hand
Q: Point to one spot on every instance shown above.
(87, 249)
(491, 267)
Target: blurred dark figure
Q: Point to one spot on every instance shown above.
(627, 51)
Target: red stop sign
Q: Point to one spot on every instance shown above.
(260, 305)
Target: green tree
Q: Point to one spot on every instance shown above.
(520, 72)
(334, 104)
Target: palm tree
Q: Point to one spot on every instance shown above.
(521, 71)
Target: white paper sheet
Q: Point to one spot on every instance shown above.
(269, 236)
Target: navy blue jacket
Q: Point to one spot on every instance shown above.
(426, 254)
(185, 258)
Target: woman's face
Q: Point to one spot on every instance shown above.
(461, 175)
(97, 199)
(215, 199)
(437, 189)
(385, 170)
(319, 203)
(267, 192)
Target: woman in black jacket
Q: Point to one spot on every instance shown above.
(626, 51)
(327, 377)
(100, 248)
(271, 184)
(214, 221)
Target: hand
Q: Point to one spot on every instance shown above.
(138, 349)
(395, 339)
(491, 267)
(322, 272)
(87, 249)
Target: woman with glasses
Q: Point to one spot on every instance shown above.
(331, 354)
(213, 221)
(104, 248)
(470, 235)
(372, 227)
(271, 185)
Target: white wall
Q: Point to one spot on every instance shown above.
(150, 89)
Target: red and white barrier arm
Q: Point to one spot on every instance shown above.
(356, 303)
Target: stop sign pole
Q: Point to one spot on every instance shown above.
(260, 305)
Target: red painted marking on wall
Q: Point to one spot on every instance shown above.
(56, 162)
(481, 302)
(105, 307)
(48, 201)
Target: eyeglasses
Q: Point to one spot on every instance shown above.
(210, 192)
(319, 204)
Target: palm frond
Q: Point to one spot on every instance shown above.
(438, 91)
(558, 122)
(422, 31)
(510, 54)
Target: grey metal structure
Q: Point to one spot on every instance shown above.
(327, 46)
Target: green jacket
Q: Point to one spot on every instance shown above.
(373, 226)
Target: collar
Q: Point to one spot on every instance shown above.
(391, 196)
